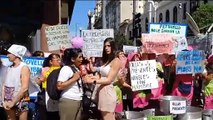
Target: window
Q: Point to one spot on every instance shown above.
(146, 23)
(184, 10)
(175, 14)
(160, 17)
(167, 16)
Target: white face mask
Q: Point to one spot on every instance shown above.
(6, 62)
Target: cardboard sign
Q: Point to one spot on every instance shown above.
(169, 28)
(157, 43)
(35, 65)
(180, 43)
(177, 107)
(167, 117)
(189, 62)
(143, 75)
(57, 35)
(129, 49)
(94, 41)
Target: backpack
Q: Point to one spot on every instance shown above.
(52, 80)
(89, 107)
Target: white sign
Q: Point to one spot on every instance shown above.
(129, 49)
(57, 35)
(143, 75)
(177, 107)
(93, 41)
(180, 43)
(170, 28)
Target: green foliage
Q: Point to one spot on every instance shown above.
(121, 40)
(203, 16)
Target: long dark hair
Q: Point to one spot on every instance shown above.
(108, 58)
(71, 53)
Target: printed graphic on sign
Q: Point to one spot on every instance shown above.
(177, 107)
(143, 75)
(180, 43)
(94, 41)
(129, 49)
(157, 43)
(189, 62)
(57, 35)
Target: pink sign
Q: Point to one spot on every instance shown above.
(157, 43)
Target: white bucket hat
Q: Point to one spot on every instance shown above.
(17, 50)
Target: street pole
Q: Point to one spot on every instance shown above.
(150, 11)
(103, 14)
(133, 23)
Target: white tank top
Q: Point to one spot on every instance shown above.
(13, 81)
(104, 71)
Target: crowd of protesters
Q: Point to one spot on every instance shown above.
(112, 82)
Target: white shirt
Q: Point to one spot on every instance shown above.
(73, 91)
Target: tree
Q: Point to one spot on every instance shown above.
(121, 40)
(203, 16)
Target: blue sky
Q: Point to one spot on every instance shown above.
(79, 16)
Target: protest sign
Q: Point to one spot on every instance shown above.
(189, 62)
(93, 41)
(35, 65)
(143, 75)
(129, 49)
(166, 117)
(180, 43)
(177, 107)
(157, 43)
(169, 28)
(57, 35)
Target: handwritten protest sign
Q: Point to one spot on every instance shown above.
(166, 117)
(129, 49)
(189, 62)
(157, 43)
(35, 65)
(169, 28)
(177, 107)
(143, 75)
(180, 43)
(93, 41)
(57, 35)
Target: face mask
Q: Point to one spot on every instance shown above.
(6, 62)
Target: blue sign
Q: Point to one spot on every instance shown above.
(189, 62)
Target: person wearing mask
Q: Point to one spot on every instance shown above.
(16, 85)
(3, 70)
(108, 73)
